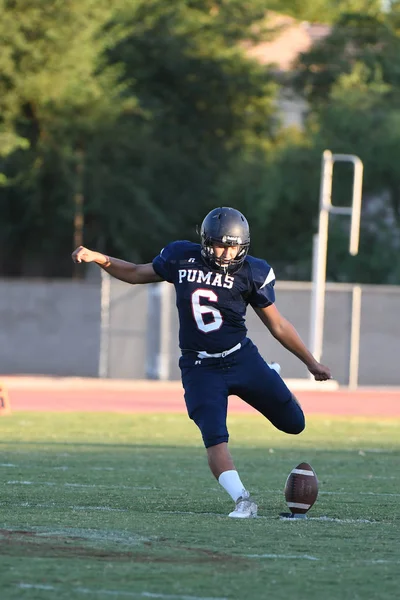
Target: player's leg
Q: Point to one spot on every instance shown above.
(206, 397)
(222, 466)
(219, 459)
(261, 387)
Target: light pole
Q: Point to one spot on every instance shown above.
(320, 242)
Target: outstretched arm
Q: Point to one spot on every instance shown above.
(120, 269)
(287, 335)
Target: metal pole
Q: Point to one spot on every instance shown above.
(104, 323)
(153, 331)
(165, 329)
(314, 297)
(355, 337)
(320, 245)
(356, 206)
(319, 258)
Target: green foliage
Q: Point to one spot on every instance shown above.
(324, 11)
(155, 97)
(55, 90)
(202, 102)
(279, 195)
(370, 40)
(351, 81)
(152, 112)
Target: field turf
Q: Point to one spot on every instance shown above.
(104, 506)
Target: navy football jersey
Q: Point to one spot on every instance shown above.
(211, 304)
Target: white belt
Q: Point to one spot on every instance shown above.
(219, 354)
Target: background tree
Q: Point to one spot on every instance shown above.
(202, 103)
(133, 119)
(55, 89)
(351, 81)
(324, 11)
(154, 97)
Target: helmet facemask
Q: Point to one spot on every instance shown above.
(227, 266)
(225, 227)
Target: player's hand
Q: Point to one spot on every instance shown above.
(82, 254)
(320, 372)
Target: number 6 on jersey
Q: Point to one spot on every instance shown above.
(199, 310)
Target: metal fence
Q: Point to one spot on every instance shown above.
(139, 332)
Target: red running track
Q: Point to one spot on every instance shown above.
(366, 403)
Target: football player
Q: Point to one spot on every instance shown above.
(215, 281)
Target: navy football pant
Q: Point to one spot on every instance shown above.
(208, 383)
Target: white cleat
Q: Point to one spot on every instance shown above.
(246, 508)
(275, 367)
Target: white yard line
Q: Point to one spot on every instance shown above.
(62, 506)
(330, 519)
(167, 512)
(188, 513)
(285, 556)
(192, 513)
(369, 477)
(381, 561)
(66, 467)
(142, 469)
(150, 488)
(335, 520)
(106, 508)
(80, 485)
(87, 534)
(115, 593)
(378, 494)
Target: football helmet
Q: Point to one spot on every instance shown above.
(228, 227)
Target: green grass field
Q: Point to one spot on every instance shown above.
(123, 506)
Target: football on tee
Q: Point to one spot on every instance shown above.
(301, 489)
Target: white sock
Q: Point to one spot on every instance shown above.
(231, 482)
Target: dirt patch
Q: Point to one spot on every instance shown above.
(7, 533)
(31, 544)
